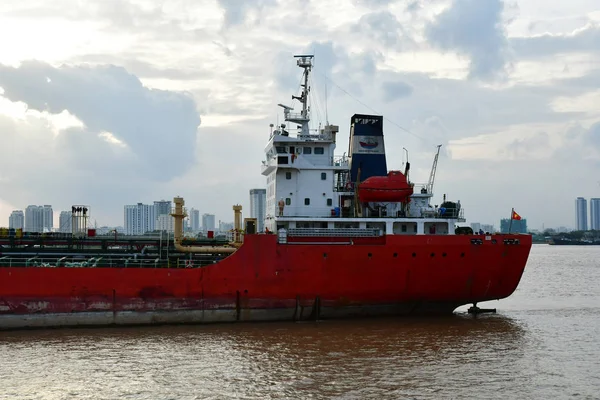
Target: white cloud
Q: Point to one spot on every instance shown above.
(586, 103)
(110, 138)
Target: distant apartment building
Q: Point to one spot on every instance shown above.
(194, 220)
(139, 219)
(595, 214)
(162, 207)
(16, 220)
(39, 218)
(476, 226)
(166, 223)
(34, 219)
(225, 226)
(65, 221)
(48, 218)
(488, 228)
(581, 214)
(258, 206)
(208, 222)
(517, 226)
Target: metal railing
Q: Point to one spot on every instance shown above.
(316, 136)
(337, 232)
(329, 213)
(294, 116)
(341, 161)
(105, 262)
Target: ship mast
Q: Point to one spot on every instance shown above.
(302, 118)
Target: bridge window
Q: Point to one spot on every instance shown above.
(307, 150)
(282, 160)
(323, 176)
(307, 201)
(319, 150)
(281, 149)
(288, 175)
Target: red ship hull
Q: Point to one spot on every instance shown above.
(264, 280)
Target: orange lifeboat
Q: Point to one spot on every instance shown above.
(393, 188)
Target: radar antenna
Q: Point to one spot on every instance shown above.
(302, 118)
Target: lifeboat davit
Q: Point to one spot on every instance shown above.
(393, 188)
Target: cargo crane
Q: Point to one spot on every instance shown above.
(433, 169)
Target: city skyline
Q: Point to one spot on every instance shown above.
(147, 217)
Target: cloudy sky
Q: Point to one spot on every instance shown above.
(108, 102)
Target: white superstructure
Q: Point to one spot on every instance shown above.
(308, 187)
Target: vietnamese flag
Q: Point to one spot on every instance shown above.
(515, 215)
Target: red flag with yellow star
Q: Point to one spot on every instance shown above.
(515, 216)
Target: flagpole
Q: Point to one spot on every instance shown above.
(511, 218)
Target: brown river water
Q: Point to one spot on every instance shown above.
(544, 343)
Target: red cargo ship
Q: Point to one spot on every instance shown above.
(342, 238)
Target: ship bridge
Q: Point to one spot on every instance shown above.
(308, 187)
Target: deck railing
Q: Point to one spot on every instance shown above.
(105, 262)
(327, 213)
(341, 232)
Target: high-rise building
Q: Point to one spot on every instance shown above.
(47, 218)
(258, 206)
(477, 226)
(65, 221)
(225, 226)
(165, 222)
(516, 226)
(581, 214)
(162, 207)
(487, 228)
(16, 220)
(195, 220)
(208, 222)
(595, 214)
(39, 218)
(139, 219)
(33, 219)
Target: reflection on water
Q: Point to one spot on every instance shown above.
(354, 359)
(536, 348)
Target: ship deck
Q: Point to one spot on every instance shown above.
(57, 249)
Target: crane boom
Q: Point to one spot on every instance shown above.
(433, 169)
